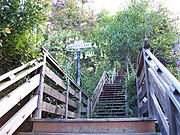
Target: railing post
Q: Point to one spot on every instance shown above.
(79, 107)
(67, 99)
(39, 91)
(172, 113)
(88, 108)
(147, 47)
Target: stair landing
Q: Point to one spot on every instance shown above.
(93, 126)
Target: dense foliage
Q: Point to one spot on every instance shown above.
(19, 31)
(123, 36)
(116, 38)
(130, 88)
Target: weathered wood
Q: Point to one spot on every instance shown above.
(18, 94)
(165, 71)
(67, 100)
(93, 126)
(177, 121)
(39, 90)
(142, 93)
(98, 90)
(80, 102)
(16, 70)
(19, 76)
(141, 64)
(172, 119)
(47, 107)
(54, 93)
(141, 78)
(144, 108)
(88, 108)
(55, 78)
(73, 93)
(150, 112)
(12, 124)
(53, 62)
(161, 118)
(159, 91)
(138, 91)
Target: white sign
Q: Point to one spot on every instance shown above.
(79, 44)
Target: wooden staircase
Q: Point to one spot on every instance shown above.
(111, 102)
(40, 98)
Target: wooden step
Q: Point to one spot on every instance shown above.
(114, 97)
(110, 94)
(108, 116)
(32, 133)
(109, 125)
(110, 110)
(114, 84)
(110, 113)
(112, 102)
(110, 107)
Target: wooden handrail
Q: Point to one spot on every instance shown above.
(52, 61)
(35, 81)
(97, 92)
(158, 92)
(164, 70)
(13, 114)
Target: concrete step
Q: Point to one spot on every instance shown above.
(94, 126)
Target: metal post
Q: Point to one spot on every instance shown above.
(78, 67)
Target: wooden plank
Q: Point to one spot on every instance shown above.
(98, 90)
(142, 93)
(161, 118)
(177, 121)
(144, 108)
(67, 100)
(16, 70)
(53, 62)
(150, 112)
(159, 90)
(47, 107)
(79, 108)
(138, 91)
(84, 101)
(39, 91)
(141, 64)
(12, 124)
(166, 83)
(18, 94)
(55, 78)
(19, 76)
(141, 78)
(54, 93)
(73, 93)
(165, 71)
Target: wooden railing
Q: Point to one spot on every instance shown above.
(97, 92)
(39, 89)
(158, 92)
